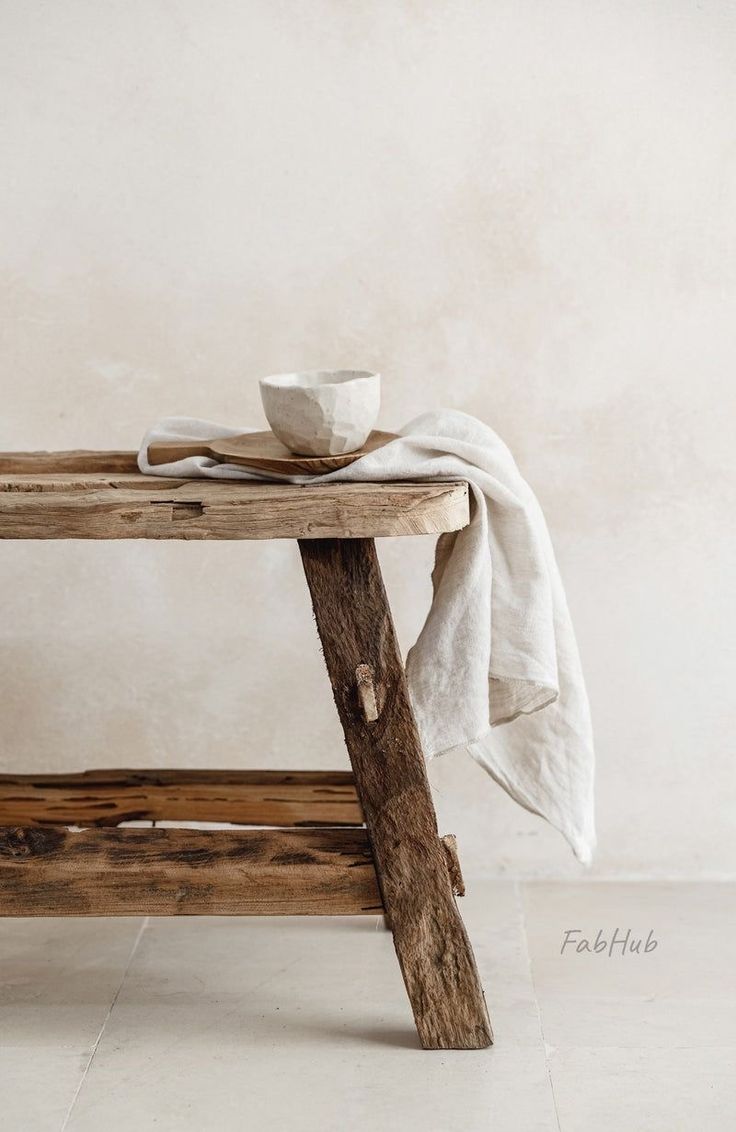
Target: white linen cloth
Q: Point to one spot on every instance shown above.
(495, 670)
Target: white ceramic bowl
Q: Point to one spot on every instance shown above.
(323, 412)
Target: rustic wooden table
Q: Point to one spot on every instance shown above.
(356, 843)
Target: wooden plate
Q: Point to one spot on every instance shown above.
(261, 452)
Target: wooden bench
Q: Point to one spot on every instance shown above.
(360, 843)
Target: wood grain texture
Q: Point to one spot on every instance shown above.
(77, 460)
(125, 506)
(355, 627)
(168, 872)
(245, 797)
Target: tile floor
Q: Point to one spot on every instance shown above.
(223, 1024)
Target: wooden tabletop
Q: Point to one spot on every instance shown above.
(101, 495)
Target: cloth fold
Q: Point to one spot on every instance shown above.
(495, 670)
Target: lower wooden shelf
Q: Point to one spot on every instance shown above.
(54, 871)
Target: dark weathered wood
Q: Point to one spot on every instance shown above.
(108, 505)
(243, 797)
(355, 627)
(166, 872)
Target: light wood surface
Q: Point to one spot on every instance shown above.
(356, 629)
(263, 452)
(109, 505)
(449, 844)
(243, 797)
(74, 460)
(167, 872)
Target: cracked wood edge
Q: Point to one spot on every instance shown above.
(165, 872)
(126, 507)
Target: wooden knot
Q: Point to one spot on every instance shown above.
(17, 842)
(29, 841)
(366, 692)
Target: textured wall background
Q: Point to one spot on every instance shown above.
(524, 210)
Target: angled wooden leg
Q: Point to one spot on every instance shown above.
(368, 681)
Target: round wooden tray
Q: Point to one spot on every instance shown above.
(261, 452)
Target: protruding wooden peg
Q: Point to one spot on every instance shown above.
(367, 692)
(449, 844)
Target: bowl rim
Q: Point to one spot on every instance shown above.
(317, 378)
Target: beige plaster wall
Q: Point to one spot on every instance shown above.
(524, 210)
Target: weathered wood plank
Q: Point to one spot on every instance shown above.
(168, 872)
(78, 460)
(355, 626)
(79, 483)
(109, 506)
(244, 797)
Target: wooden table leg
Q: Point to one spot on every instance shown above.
(369, 684)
